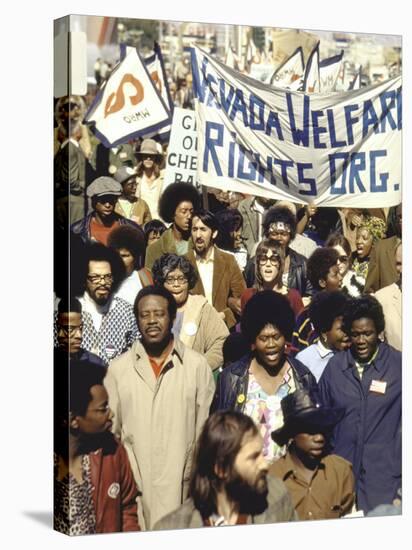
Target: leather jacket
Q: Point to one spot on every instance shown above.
(233, 381)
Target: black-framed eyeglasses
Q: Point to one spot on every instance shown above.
(71, 331)
(274, 259)
(108, 278)
(181, 279)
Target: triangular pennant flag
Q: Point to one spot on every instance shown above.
(311, 80)
(155, 66)
(290, 73)
(356, 82)
(231, 59)
(329, 70)
(128, 105)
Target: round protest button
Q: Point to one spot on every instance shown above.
(241, 398)
(190, 329)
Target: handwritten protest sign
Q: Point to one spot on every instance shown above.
(337, 149)
(181, 162)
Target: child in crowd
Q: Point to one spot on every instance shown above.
(321, 485)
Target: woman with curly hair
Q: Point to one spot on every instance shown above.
(368, 233)
(269, 265)
(198, 325)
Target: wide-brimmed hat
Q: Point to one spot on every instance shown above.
(149, 147)
(303, 412)
(124, 173)
(104, 186)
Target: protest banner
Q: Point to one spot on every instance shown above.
(290, 73)
(329, 70)
(337, 149)
(181, 164)
(128, 104)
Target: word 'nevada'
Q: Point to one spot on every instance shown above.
(320, 129)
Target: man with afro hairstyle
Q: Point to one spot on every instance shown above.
(176, 206)
(323, 274)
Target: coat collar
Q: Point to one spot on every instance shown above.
(142, 365)
(378, 362)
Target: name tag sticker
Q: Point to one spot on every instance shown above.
(378, 386)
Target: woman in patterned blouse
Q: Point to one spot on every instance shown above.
(256, 383)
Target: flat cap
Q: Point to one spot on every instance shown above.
(104, 186)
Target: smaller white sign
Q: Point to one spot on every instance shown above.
(181, 165)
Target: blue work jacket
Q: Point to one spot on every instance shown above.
(369, 434)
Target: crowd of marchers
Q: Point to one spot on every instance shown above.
(219, 359)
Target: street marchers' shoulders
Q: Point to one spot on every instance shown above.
(344, 359)
(279, 508)
(184, 355)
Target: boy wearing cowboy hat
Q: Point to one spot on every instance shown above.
(321, 485)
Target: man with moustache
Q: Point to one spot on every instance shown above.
(321, 485)
(366, 381)
(176, 206)
(109, 326)
(229, 483)
(104, 193)
(160, 392)
(219, 277)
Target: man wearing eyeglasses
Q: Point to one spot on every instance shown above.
(109, 326)
(69, 334)
(104, 193)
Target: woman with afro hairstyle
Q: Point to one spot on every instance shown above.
(256, 383)
(176, 206)
(130, 245)
(197, 324)
(366, 381)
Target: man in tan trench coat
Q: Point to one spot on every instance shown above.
(160, 392)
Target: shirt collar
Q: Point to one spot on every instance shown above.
(257, 207)
(210, 256)
(290, 468)
(352, 361)
(91, 304)
(323, 350)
